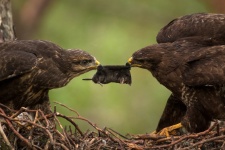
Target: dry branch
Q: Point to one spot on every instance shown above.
(17, 131)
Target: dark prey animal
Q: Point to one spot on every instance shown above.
(30, 68)
(192, 66)
(117, 74)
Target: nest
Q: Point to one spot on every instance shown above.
(32, 129)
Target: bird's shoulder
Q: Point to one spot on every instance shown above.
(22, 56)
(199, 24)
(36, 47)
(204, 66)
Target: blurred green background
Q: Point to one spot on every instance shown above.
(111, 31)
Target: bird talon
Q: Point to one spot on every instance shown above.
(171, 130)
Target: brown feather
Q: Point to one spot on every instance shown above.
(30, 68)
(189, 60)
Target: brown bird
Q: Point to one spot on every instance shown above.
(199, 25)
(192, 67)
(30, 68)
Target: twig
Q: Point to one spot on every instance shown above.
(71, 121)
(23, 120)
(111, 130)
(32, 129)
(62, 145)
(205, 141)
(187, 136)
(5, 137)
(68, 108)
(106, 138)
(223, 145)
(16, 133)
(11, 110)
(22, 109)
(60, 125)
(70, 137)
(46, 120)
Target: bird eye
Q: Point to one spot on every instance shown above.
(85, 62)
(141, 61)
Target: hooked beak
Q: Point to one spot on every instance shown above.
(130, 60)
(94, 65)
(132, 63)
(97, 62)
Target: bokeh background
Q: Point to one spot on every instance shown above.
(111, 31)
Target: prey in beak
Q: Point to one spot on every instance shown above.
(133, 63)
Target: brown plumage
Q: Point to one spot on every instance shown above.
(30, 68)
(191, 65)
(199, 25)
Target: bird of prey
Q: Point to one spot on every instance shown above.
(190, 61)
(30, 68)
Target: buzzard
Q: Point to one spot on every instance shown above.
(190, 61)
(30, 68)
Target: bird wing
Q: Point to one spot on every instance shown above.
(205, 66)
(15, 63)
(199, 24)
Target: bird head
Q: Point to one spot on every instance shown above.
(81, 62)
(147, 58)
